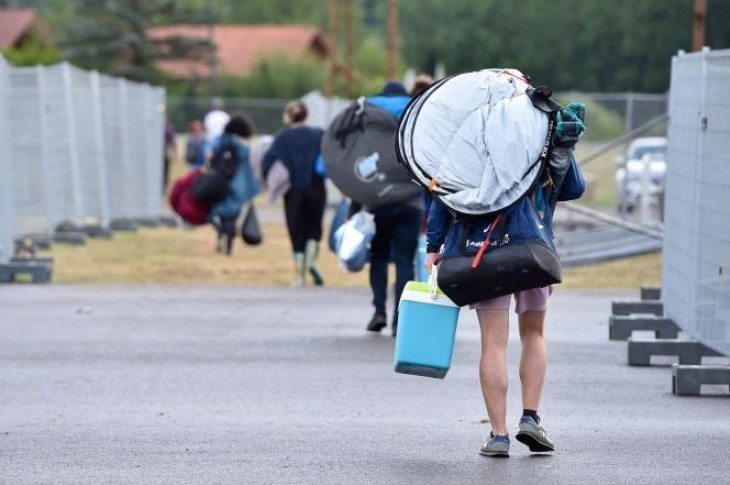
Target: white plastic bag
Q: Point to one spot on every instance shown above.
(353, 241)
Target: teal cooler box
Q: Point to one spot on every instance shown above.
(426, 330)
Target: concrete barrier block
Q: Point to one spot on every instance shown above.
(148, 221)
(123, 225)
(168, 221)
(687, 380)
(689, 352)
(651, 293)
(648, 307)
(98, 232)
(39, 271)
(621, 327)
(70, 237)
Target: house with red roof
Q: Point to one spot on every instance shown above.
(240, 47)
(17, 25)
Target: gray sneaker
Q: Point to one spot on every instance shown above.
(496, 445)
(534, 436)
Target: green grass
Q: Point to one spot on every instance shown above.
(187, 257)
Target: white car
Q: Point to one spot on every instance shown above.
(649, 154)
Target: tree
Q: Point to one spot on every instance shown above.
(111, 36)
(32, 53)
(623, 45)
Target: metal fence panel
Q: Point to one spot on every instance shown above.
(696, 286)
(28, 153)
(137, 160)
(65, 197)
(89, 145)
(154, 136)
(6, 167)
(113, 110)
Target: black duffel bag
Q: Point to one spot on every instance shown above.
(212, 186)
(503, 254)
(209, 188)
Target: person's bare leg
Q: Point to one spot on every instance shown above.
(494, 326)
(533, 362)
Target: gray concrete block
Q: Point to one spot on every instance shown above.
(97, 232)
(40, 241)
(651, 293)
(687, 380)
(689, 352)
(648, 307)
(168, 221)
(123, 225)
(621, 327)
(70, 237)
(39, 271)
(148, 221)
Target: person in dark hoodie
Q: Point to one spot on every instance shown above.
(298, 146)
(396, 228)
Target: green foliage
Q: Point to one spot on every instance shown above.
(309, 12)
(32, 53)
(277, 76)
(111, 36)
(587, 45)
(622, 45)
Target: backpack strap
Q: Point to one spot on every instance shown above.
(352, 122)
(501, 221)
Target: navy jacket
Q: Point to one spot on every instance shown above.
(298, 149)
(440, 218)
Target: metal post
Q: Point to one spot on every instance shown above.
(349, 48)
(392, 38)
(332, 64)
(629, 111)
(698, 25)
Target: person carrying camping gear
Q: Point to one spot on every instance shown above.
(560, 180)
(297, 147)
(397, 226)
(496, 153)
(230, 158)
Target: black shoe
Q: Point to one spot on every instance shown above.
(378, 322)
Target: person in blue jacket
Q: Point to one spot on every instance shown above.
(397, 227)
(242, 187)
(566, 184)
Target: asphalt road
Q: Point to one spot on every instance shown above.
(167, 385)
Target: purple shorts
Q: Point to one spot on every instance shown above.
(532, 300)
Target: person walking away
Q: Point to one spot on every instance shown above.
(493, 316)
(420, 84)
(196, 148)
(170, 153)
(298, 146)
(396, 229)
(242, 186)
(216, 120)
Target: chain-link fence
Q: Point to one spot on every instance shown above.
(610, 117)
(696, 286)
(265, 113)
(84, 149)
